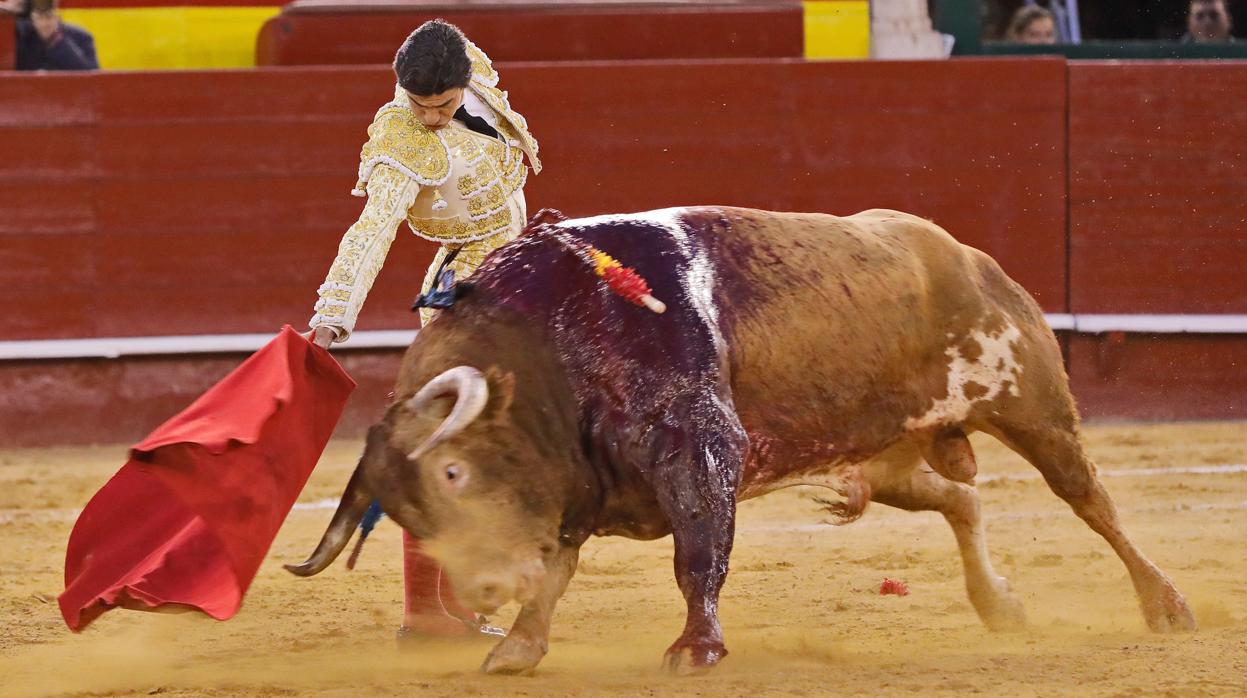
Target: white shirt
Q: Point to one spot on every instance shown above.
(476, 107)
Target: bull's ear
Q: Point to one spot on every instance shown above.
(501, 391)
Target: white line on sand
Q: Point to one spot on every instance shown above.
(1133, 472)
(11, 515)
(1059, 512)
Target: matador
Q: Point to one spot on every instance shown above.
(447, 155)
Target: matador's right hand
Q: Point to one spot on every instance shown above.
(321, 336)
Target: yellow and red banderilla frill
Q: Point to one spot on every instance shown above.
(623, 281)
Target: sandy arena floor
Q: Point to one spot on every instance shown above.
(801, 612)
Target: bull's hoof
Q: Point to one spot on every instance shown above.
(1165, 610)
(999, 609)
(1007, 615)
(689, 659)
(514, 655)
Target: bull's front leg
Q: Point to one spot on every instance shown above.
(695, 479)
(529, 639)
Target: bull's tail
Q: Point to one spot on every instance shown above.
(856, 492)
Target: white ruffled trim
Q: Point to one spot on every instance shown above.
(319, 320)
(515, 168)
(477, 159)
(487, 214)
(482, 188)
(327, 303)
(488, 63)
(366, 168)
(334, 286)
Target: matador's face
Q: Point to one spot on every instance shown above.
(435, 111)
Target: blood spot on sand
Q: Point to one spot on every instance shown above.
(893, 587)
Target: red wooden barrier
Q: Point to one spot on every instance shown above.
(1158, 177)
(119, 400)
(212, 202)
(169, 202)
(1157, 191)
(1160, 377)
(8, 42)
(360, 32)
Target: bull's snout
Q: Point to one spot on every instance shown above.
(488, 592)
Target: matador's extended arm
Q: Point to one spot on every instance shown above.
(363, 249)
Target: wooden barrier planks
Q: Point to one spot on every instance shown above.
(345, 32)
(211, 202)
(1159, 377)
(1158, 177)
(939, 139)
(117, 401)
(8, 42)
(1157, 225)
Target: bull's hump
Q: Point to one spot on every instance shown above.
(663, 217)
(666, 246)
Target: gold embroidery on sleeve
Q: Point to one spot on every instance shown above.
(363, 249)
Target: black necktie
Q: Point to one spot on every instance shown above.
(475, 123)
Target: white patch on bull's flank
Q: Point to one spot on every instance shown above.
(995, 367)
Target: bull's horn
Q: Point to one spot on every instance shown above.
(355, 501)
(472, 392)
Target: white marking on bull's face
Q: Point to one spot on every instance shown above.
(995, 370)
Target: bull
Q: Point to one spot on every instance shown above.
(853, 353)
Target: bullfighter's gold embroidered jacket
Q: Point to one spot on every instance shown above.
(453, 186)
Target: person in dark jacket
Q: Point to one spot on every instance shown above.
(1208, 22)
(44, 42)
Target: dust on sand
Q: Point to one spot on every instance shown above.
(801, 609)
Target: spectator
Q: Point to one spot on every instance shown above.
(44, 42)
(1208, 21)
(15, 7)
(1032, 24)
(998, 16)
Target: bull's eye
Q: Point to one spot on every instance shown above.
(455, 477)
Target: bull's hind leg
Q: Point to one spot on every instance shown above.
(1053, 447)
(918, 488)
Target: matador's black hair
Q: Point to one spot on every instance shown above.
(433, 59)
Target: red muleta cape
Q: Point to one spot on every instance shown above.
(186, 522)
